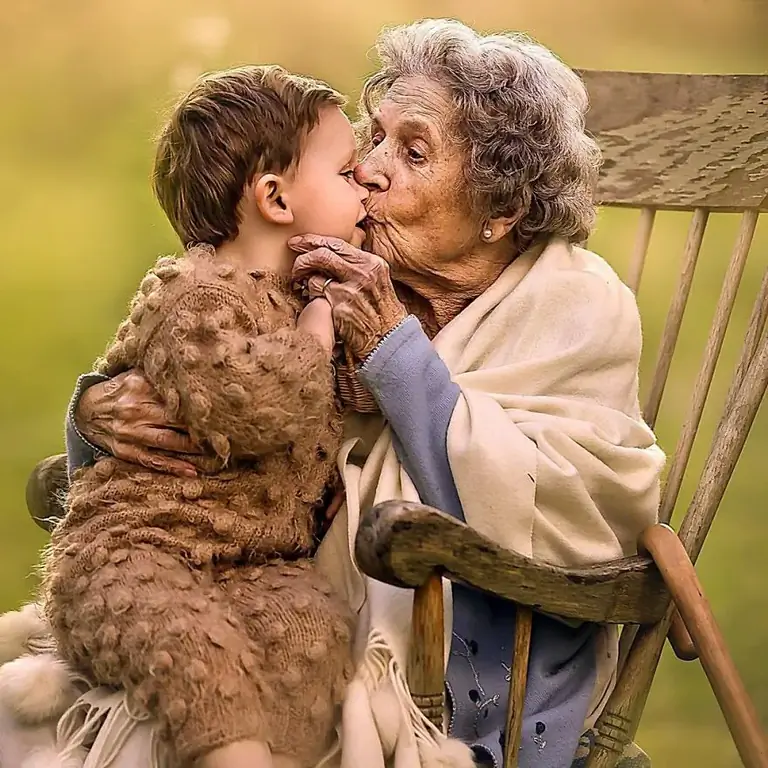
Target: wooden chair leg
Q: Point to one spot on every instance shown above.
(517, 684)
(679, 639)
(680, 576)
(616, 726)
(426, 659)
(626, 638)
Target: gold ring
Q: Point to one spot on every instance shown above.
(325, 285)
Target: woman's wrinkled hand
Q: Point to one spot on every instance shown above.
(125, 417)
(361, 294)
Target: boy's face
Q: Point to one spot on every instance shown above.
(325, 198)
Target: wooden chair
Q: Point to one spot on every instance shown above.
(671, 142)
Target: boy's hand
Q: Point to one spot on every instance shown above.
(317, 318)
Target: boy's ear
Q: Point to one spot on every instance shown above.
(268, 192)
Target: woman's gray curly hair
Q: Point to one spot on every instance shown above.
(519, 113)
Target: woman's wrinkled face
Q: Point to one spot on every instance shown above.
(419, 216)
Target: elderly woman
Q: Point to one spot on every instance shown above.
(503, 360)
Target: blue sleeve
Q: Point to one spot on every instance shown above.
(416, 394)
(80, 452)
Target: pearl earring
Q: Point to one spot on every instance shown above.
(487, 234)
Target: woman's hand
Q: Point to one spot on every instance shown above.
(361, 294)
(125, 417)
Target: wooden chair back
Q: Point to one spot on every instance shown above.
(688, 143)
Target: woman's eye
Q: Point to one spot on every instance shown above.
(414, 155)
(350, 174)
(376, 140)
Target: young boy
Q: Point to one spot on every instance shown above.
(198, 595)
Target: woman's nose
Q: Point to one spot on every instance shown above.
(369, 174)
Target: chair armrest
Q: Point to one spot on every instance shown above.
(47, 491)
(402, 543)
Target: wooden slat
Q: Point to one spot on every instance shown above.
(675, 314)
(402, 543)
(725, 451)
(426, 662)
(681, 141)
(755, 331)
(617, 723)
(517, 684)
(642, 240)
(678, 636)
(711, 353)
(627, 637)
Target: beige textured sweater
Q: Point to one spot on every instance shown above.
(199, 595)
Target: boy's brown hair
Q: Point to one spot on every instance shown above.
(229, 127)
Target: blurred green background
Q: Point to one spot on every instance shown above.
(82, 89)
